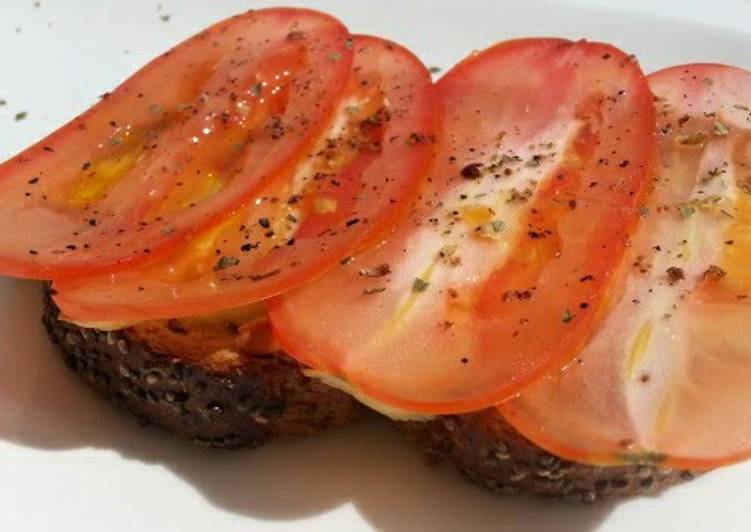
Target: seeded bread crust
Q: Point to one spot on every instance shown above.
(486, 449)
(165, 373)
(225, 402)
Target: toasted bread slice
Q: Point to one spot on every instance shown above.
(190, 377)
(199, 379)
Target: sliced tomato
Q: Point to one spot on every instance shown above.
(501, 271)
(666, 377)
(195, 133)
(350, 187)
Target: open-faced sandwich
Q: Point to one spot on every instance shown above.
(537, 265)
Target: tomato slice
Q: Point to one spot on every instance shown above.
(500, 272)
(666, 378)
(354, 184)
(196, 132)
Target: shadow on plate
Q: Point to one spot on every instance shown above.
(44, 406)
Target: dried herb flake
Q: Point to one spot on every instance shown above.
(226, 262)
(720, 129)
(687, 211)
(375, 290)
(419, 285)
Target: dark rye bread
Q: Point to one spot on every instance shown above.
(487, 450)
(178, 374)
(184, 376)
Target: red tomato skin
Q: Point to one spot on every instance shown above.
(94, 125)
(325, 353)
(395, 172)
(708, 402)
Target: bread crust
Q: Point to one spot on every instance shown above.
(187, 378)
(227, 401)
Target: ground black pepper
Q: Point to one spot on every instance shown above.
(376, 271)
(262, 276)
(471, 171)
(675, 274)
(714, 273)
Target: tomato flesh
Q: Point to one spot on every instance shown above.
(351, 186)
(191, 136)
(665, 378)
(501, 270)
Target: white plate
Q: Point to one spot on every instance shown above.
(68, 461)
